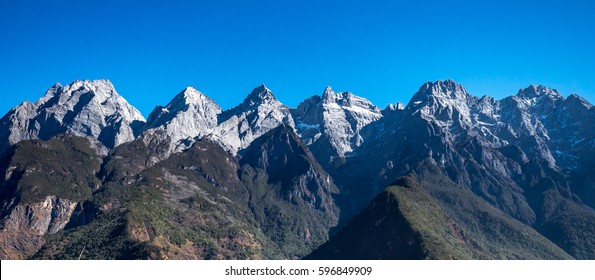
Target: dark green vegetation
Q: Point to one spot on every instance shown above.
(64, 167)
(103, 238)
(568, 224)
(434, 219)
(200, 204)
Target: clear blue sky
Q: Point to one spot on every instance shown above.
(382, 50)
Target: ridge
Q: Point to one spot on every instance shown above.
(535, 91)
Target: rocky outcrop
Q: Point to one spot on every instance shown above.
(23, 229)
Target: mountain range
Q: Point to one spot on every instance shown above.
(447, 176)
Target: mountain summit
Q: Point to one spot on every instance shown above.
(189, 114)
(331, 124)
(83, 108)
(259, 95)
(259, 113)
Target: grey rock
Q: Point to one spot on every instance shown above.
(23, 229)
(83, 108)
(331, 125)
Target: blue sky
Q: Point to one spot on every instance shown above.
(382, 50)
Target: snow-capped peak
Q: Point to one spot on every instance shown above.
(338, 116)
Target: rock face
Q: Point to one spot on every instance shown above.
(23, 230)
(83, 108)
(190, 115)
(289, 190)
(256, 115)
(305, 183)
(331, 125)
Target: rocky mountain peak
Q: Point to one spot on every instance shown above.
(260, 95)
(575, 100)
(104, 96)
(331, 124)
(536, 91)
(347, 100)
(51, 92)
(83, 108)
(328, 95)
(443, 101)
(101, 88)
(188, 99)
(444, 91)
(340, 98)
(256, 115)
(191, 95)
(260, 99)
(189, 115)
